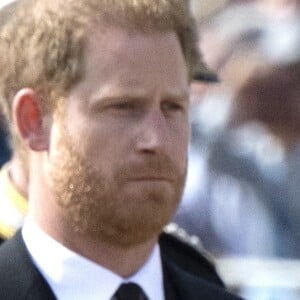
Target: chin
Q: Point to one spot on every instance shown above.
(136, 221)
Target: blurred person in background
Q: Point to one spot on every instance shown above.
(13, 174)
(4, 147)
(225, 190)
(270, 98)
(243, 185)
(263, 129)
(210, 205)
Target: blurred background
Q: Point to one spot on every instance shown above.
(242, 196)
(243, 186)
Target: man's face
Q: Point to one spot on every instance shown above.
(119, 147)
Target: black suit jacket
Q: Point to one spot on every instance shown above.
(20, 279)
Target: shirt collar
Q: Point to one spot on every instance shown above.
(64, 270)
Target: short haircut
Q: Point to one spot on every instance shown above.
(42, 45)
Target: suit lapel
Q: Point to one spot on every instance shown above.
(181, 285)
(177, 284)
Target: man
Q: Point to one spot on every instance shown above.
(13, 177)
(14, 183)
(269, 99)
(97, 95)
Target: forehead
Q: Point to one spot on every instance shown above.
(131, 59)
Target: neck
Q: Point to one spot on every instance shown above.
(124, 261)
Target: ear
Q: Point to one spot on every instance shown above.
(28, 119)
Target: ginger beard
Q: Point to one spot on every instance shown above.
(103, 206)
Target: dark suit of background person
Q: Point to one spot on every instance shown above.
(4, 148)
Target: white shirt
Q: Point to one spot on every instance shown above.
(74, 277)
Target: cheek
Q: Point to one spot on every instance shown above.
(103, 143)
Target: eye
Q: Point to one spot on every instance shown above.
(126, 108)
(173, 106)
(123, 106)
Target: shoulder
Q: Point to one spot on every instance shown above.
(13, 265)
(187, 270)
(12, 268)
(187, 252)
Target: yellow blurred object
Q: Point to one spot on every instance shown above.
(13, 206)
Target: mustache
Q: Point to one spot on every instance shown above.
(158, 167)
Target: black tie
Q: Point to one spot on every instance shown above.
(129, 291)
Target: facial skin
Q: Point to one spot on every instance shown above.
(118, 146)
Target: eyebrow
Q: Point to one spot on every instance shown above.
(137, 97)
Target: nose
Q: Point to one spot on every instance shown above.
(152, 132)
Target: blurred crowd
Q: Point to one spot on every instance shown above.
(243, 184)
